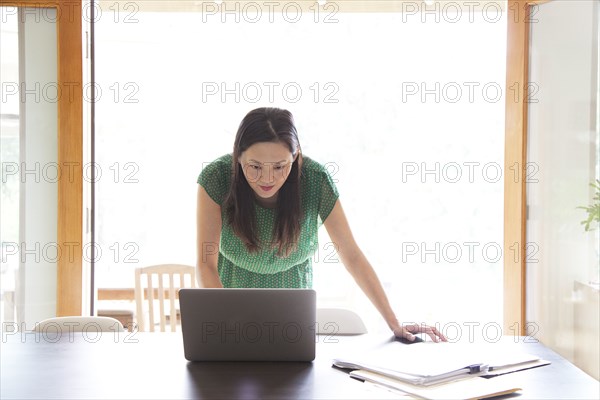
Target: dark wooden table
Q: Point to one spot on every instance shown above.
(152, 366)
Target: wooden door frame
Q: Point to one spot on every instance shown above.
(520, 15)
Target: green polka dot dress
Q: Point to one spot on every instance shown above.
(238, 268)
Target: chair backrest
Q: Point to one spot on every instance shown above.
(161, 283)
(339, 321)
(79, 324)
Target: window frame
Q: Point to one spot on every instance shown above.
(70, 149)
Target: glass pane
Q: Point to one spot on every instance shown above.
(30, 171)
(407, 115)
(9, 157)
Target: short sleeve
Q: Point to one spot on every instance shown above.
(215, 178)
(328, 194)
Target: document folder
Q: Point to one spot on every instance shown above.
(463, 389)
(426, 364)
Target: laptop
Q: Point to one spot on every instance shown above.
(248, 324)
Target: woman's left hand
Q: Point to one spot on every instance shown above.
(408, 331)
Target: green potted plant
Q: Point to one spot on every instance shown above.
(594, 209)
(589, 224)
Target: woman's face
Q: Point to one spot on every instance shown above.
(266, 166)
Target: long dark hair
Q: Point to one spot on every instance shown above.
(266, 125)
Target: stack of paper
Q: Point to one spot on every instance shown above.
(464, 389)
(441, 370)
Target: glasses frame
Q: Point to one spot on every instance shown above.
(254, 175)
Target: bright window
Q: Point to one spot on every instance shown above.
(407, 115)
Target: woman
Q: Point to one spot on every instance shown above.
(259, 210)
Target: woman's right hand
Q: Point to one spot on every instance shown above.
(208, 236)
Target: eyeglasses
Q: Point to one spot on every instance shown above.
(254, 171)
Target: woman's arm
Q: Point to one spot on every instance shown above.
(208, 236)
(363, 273)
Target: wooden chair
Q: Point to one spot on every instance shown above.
(154, 290)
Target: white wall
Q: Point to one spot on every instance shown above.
(563, 153)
